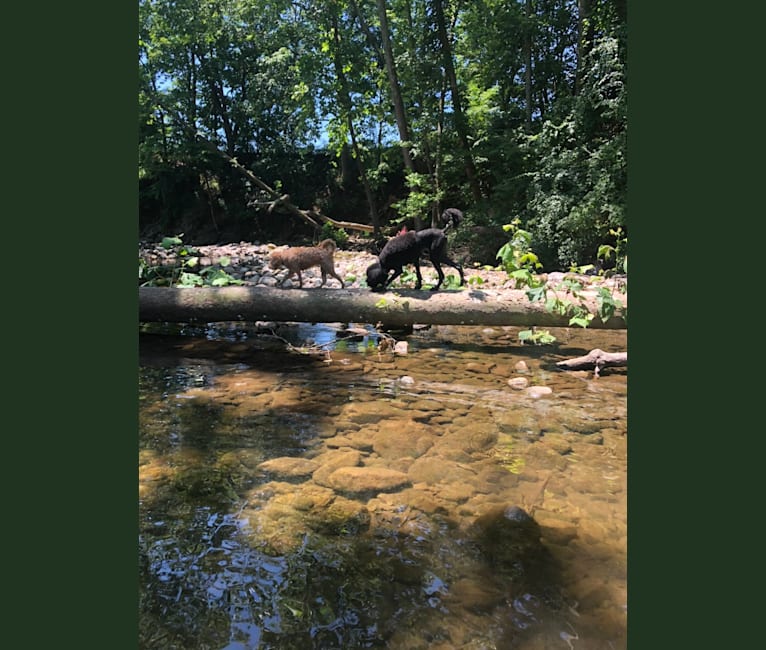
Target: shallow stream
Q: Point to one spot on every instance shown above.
(302, 491)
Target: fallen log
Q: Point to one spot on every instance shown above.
(329, 305)
(312, 217)
(595, 360)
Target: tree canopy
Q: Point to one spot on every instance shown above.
(388, 111)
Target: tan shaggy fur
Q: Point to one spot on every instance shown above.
(300, 258)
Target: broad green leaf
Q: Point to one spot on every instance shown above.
(525, 335)
(536, 294)
(581, 321)
(169, 242)
(189, 280)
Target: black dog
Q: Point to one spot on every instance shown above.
(406, 248)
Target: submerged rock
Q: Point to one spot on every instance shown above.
(509, 537)
(358, 480)
(288, 466)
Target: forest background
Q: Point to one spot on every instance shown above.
(386, 113)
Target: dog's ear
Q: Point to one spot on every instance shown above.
(375, 275)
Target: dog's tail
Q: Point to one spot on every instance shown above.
(451, 218)
(328, 244)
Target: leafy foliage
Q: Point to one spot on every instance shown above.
(533, 124)
(516, 256)
(578, 191)
(338, 235)
(564, 298)
(182, 273)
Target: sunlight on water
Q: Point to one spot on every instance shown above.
(359, 499)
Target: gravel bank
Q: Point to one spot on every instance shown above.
(248, 262)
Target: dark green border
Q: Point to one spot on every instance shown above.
(70, 325)
(694, 153)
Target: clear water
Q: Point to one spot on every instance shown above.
(298, 490)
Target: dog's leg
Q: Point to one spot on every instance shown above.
(328, 268)
(300, 280)
(397, 272)
(456, 266)
(446, 260)
(460, 271)
(440, 273)
(339, 279)
(438, 255)
(419, 283)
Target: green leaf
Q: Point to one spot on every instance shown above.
(536, 294)
(189, 280)
(169, 242)
(605, 251)
(546, 338)
(538, 337)
(451, 281)
(218, 277)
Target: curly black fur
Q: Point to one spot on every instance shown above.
(406, 249)
(451, 217)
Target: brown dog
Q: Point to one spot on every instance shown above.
(300, 258)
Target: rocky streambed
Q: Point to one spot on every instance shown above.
(425, 500)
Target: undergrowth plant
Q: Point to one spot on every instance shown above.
(565, 298)
(338, 235)
(185, 271)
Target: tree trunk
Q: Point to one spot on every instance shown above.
(330, 305)
(460, 122)
(584, 40)
(396, 95)
(344, 100)
(528, 66)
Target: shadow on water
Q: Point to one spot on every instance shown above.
(355, 500)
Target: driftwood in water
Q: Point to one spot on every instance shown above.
(595, 360)
(330, 305)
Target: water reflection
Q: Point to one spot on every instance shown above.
(288, 501)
